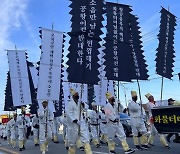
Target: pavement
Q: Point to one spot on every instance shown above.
(60, 149)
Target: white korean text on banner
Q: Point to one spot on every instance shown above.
(123, 54)
(165, 52)
(87, 17)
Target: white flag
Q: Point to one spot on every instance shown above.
(50, 65)
(111, 87)
(19, 77)
(100, 93)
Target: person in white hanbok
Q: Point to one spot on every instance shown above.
(94, 125)
(114, 126)
(8, 132)
(64, 121)
(151, 104)
(74, 123)
(23, 122)
(35, 125)
(13, 129)
(139, 129)
(103, 127)
(56, 125)
(45, 134)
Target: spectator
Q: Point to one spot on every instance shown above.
(168, 137)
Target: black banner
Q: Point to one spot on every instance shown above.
(8, 105)
(123, 54)
(58, 105)
(167, 119)
(90, 95)
(165, 50)
(140, 67)
(34, 106)
(118, 51)
(84, 43)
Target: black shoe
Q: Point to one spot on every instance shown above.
(144, 147)
(168, 139)
(23, 147)
(129, 151)
(36, 145)
(20, 149)
(81, 148)
(56, 141)
(102, 142)
(138, 147)
(139, 134)
(112, 152)
(151, 144)
(67, 148)
(167, 147)
(176, 140)
(98, 146)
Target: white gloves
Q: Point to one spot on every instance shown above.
(118, 101)
(79, 123)
(140, 102)
(117, 116)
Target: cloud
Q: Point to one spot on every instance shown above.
(151, 24)
(11, 15)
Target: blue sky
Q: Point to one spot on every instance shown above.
(20, 19)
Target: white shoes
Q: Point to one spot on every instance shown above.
(43, 152)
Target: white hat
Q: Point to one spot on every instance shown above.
(93, 104)
(73, 92)
(148, 95)
(109, 95)
(133, 93)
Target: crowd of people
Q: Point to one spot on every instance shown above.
(100, 125)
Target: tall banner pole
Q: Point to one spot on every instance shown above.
(162, 85)
(52, 26)
(118, 97)
(118, 91)
(82, 86)
(139, 88)
(125, 96)
(118, 83)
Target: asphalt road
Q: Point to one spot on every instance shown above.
(60, 149)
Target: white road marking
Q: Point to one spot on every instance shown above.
(99, 152)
